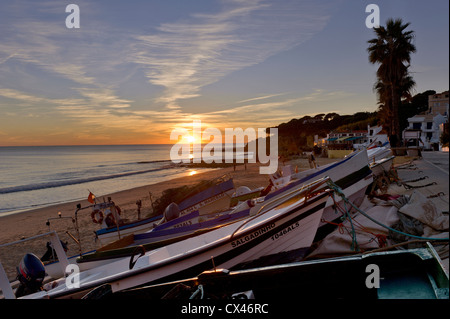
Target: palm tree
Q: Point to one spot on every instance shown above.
(385, 110)
(385, 113)
(392, 49)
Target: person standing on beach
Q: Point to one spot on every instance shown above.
(312, 160)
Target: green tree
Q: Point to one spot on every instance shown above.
(392, 49)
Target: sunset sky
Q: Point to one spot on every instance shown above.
(135, 70)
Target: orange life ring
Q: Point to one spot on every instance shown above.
(94, 216)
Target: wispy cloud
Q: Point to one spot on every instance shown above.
(178, 58)
(183, 57)
(262, 97)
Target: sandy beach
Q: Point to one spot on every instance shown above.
(27, 224)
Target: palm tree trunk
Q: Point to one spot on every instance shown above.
(395, 117)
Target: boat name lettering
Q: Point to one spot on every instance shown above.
(252, 236)
(183, 224)
(285, 231)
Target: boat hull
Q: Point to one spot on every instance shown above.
(378, 153)
(382, 166)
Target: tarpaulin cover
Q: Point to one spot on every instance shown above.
(414, 214)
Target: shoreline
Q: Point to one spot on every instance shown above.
(68, 201)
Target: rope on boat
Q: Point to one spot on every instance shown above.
(380, 238)
(346, 215)
(339, 191)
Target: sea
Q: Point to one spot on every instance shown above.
(38, 176)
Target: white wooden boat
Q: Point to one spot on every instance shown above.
(382, 166)
(205, 202)
(165, 230)
(175, 230)
(352, 174)
(377, 153)
(285, 223)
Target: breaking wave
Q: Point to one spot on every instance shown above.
(52, 184)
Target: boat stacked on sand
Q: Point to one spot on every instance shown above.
(377, 153)
(201, 212)
(352, 174)
(208, 201)
(167, 233)
(382, 166)
(287, 222)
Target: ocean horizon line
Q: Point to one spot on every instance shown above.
(67, 145)
(149, 144)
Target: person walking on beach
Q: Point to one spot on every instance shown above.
(312, 160)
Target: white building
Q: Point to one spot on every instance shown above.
(426, 126)
(375, 136)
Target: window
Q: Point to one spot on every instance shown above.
(417, 126)
(429, 125)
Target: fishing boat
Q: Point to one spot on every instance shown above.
(352, 174)
(170, 232)
(210, 200)
(405, 274)
(377, 153)
(171, 227)
(243, 193)
(286, 223)
(382, 166)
